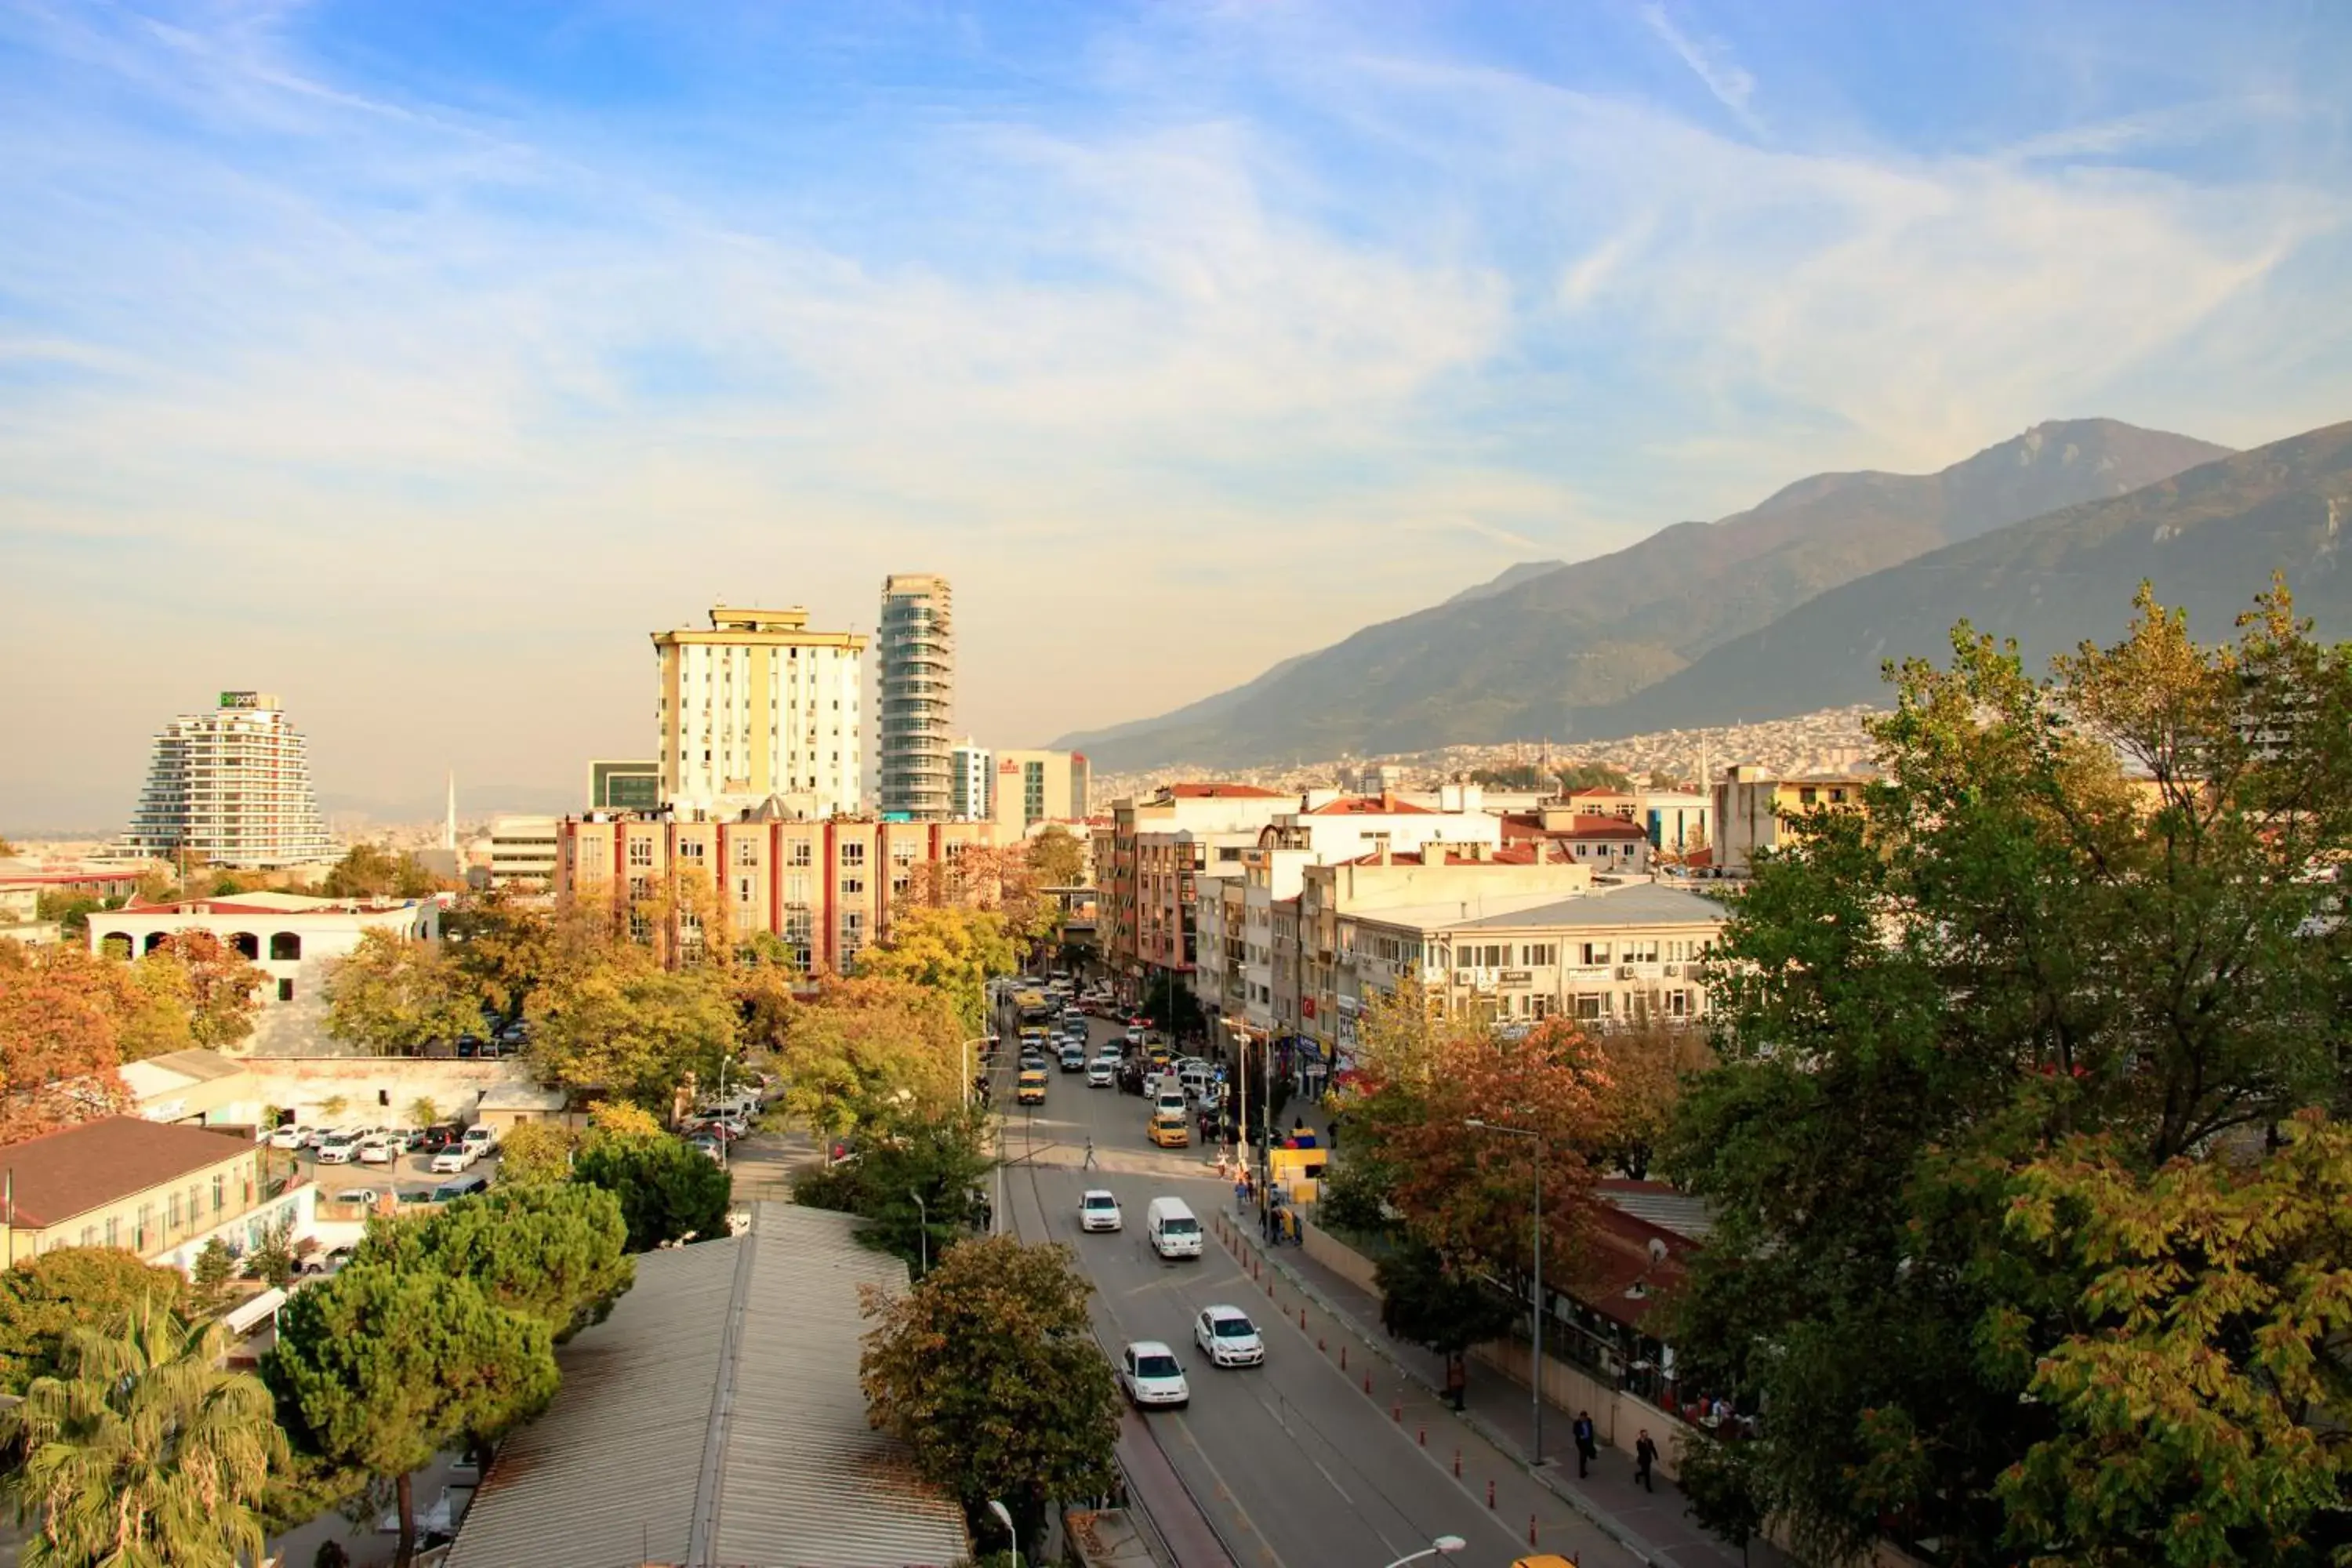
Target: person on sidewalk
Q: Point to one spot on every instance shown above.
(1090, 1164)
(1587, 1446)
(1457, 1381)
(1646, 1454)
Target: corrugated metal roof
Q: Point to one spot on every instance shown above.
(716, 1418)
(1662, 1205)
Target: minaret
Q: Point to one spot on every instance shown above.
(449, 825)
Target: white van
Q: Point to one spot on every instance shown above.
(1174, 1231)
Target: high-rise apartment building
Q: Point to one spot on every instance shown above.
(917, 656)
(759, 705)
(232, 787)
(972, 766)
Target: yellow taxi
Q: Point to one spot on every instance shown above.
(1544, 1560)
(1030, 1089)
(1171, 1132)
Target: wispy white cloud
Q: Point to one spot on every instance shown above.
(1710, 59)
(329, 384)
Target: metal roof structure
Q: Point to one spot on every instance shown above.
(1635, 904)
(715, 1419)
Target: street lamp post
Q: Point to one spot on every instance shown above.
(724, 1062)
(1004, 1518)
(923, 1237)
(1535, 1367)
(1444, 1546)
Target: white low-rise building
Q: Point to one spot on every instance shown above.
(294, 940)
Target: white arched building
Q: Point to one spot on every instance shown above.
(293, 940)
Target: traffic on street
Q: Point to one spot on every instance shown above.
(1288, 1459)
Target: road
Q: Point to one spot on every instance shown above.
(1293, 1464)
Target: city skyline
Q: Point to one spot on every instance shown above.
(418, 371)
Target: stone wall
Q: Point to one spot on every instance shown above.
(378, 1089)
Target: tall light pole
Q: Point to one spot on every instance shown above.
(723, 1064)
(923, 1237)
(1535, 1367)
(1004, 1518)
(1444, 1546)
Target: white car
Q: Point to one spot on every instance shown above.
(1151, 1376)
(290, 1137)
(1227, 1337)
(358, 1200)
(481, 1140)
(377, 1151)
(456, 1158)
(1099, 1074)
(337, 1148)
(1099, 1210)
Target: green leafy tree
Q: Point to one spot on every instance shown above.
(271, 1261)
(224, 989)
(144, 1451)
(216, 1265)
(554, 1252)
(508, 950)
(385, 1367)
(1057, 858)
(1436, 1303)
(667, 1189)
(422, 1112)
(629, 1025)
(2011, 942)
(374, 871)
(1173, 1007)
(536, 1153)
(989, 1371)
(951, 950)
(942, 1158)
(44, 1299)
(71, 911)
(864, 1044)
(1593, 775)
(2203, 1383)
(1517, 776)
(395, 998)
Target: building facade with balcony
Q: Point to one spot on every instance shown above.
(826, 887)
(231, 787)
(1340, 975)
(915, 658)
(522, 853)
(158, 1190)
(1609, 957)
(1151, 871)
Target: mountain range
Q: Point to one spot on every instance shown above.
(1557, 650)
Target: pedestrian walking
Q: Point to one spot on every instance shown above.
(1588, 1448)
(1646, 1454)
(1241, 1193)
(1457, 1381)
(1090, 1164)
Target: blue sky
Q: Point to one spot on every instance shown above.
(415, 358)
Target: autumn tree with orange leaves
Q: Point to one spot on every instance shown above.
(1464, 1191)
(69, 1019)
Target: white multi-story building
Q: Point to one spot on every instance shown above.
(523, 852)
(232, 787)
(758, 705)
(974, 772)
(915, 653)
(294, 940)
(1609, 957)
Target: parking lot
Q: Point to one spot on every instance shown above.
(409, 1177)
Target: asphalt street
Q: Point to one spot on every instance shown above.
(1293, 1464)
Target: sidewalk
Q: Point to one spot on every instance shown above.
(1655, 1527)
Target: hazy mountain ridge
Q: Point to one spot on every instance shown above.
(1529, 658)
(2209, 539)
